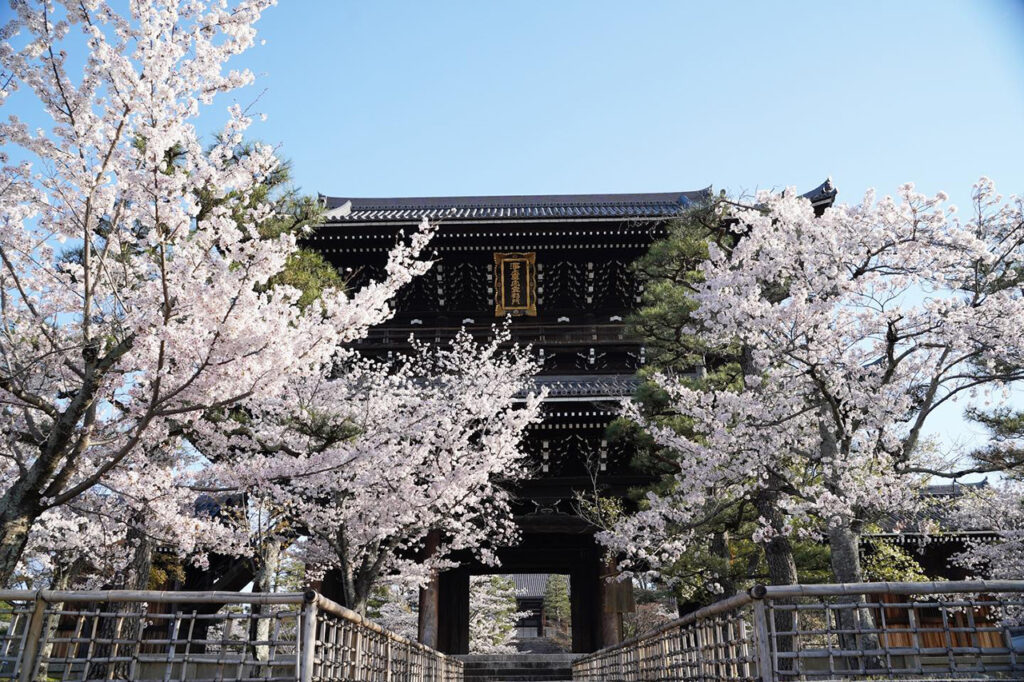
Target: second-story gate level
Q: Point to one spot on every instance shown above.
(561, 267)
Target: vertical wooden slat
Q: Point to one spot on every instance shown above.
(33, 632)
(172, 646)
(307, 646)
(765, 669)
(188, 643)
(72, 647)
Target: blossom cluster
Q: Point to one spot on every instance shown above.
(852, 328)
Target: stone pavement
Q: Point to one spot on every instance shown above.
(518, 667)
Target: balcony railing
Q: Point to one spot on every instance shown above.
(553, 334)
(170, 636)
(918, 631)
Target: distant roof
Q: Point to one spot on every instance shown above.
(934, 514)
(657, 205)
(526, 207)
(530, 585)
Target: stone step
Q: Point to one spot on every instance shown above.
(518, 667)
(539, 645)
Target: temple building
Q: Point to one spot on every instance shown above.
(560, 266)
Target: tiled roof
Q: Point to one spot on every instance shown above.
(354, 210)
(527, 207)
(530, 585)
(609, 385)
(934, 513)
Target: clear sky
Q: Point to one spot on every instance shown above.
(437, 98)
(451, 98)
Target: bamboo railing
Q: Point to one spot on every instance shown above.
(922, 631)
(171, 636)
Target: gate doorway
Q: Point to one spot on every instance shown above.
(544, 603)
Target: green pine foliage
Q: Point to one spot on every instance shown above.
(557, 606)
(293, 214)
(558, 611)
(1003, 452)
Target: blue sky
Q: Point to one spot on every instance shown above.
(451, 98)
(424, 98)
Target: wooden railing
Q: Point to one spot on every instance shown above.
(171, 636)
(919, 631)
(547, 334)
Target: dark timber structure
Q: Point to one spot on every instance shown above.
(560, 265)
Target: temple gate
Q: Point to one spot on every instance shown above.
(560, 267)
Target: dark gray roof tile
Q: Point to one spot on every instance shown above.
(608, 385)
(525, 207)
(665, 204)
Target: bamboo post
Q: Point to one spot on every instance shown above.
(387, 659)
(308, 641)
(33, 634)
(764, 651)
(357, 652)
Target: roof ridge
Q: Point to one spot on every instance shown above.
(518, 200)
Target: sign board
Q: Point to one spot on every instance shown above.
(515, 284)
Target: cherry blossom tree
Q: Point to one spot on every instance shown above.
(492, 614)
(397, 610)
(853, 327)
(998, 512)
(135, 291)
(367, 460)
(995, 511)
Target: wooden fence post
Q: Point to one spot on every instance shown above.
(761, 640)
(33, 635)
(308, 640)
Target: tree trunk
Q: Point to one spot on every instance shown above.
(857, 620)
(127, 624)
(778, 551)
(844, 552)
(259, 627)
(138, 570)
(363, 583)
(16, 521)
(720, 548)
(778, 554)
(351, 584)
(844, 543)
(429, 604)
(346, 589)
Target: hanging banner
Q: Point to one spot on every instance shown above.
(515, 284)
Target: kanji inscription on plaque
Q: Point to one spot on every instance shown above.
(515, 284)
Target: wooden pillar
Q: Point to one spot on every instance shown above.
(453, 612)
(332, 586)
(615, 600)
(585, 597)
(429, 598)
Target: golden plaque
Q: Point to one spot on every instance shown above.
(515, 284)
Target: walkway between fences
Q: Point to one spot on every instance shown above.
(170, 636)
(918, 631)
